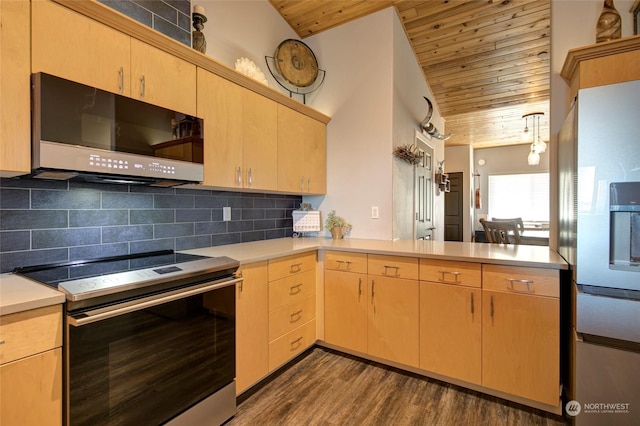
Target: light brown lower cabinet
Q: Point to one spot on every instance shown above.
(252, 327)
(451, 331)
(31, 367)
(346, 298)
(393, 319)
(521, 332)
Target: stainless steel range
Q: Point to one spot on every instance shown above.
(149, 338)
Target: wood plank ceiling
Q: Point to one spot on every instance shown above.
(486, 61)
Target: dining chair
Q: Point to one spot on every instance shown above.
(518, 221)
(502, 232)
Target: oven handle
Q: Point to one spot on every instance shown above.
(114, 311)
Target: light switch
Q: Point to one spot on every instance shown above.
(375, 213)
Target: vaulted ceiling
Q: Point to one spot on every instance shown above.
(486, 61)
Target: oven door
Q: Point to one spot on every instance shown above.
(149, 360)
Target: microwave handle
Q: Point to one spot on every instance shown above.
(147, 302)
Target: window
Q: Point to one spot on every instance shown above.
(520, 195)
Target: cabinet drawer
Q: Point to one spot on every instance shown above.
(515, 279)
(30, 332)
(393, 266)
(451, 272)
(285, 319)
(291, 290)
(291, 344)
(345, 261)
(291, 265)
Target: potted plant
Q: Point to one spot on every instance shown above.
(336, 225)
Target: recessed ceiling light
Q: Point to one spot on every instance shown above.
(543, 55)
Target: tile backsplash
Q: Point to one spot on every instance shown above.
(170, 17)
(56, 221)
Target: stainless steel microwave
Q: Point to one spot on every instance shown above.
(83, 133)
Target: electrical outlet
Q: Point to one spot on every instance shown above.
(226, 214)
(375, 213)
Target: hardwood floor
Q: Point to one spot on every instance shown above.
(329, 388)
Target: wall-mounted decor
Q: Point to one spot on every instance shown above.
(428, 127)
(409, 153)
(295, 67)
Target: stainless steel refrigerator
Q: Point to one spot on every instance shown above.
(599, 236)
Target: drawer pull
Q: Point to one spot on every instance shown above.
(295, 344)
(340, 262)
(296, 316)
(295, 289)
(2, 342)
(454, 273)
(528, 283)
(386, 267)
(296, 267)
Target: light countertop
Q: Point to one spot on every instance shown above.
(500, 254)
(19, 294)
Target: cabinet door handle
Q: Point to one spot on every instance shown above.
(142, 86)
(359, 287)
(528, 283)
(121, 80)
(238, 176)
(386, 267)
(454, 273)
(296, 316)
(249, 177)
(2, 342)
(373, 290)
(296, 267)
(472, 305)
(295, 289)
(309, 185)
(302, 184)
(491, 307)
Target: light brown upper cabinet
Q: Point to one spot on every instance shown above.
(301, 153)
(15, 102)
(72, 46)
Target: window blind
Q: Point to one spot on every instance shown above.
(519, 195)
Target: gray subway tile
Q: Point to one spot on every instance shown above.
(173, 201)
(172, 30)
(193, 215)
(223, 239)
(265, 203)
(183, 6)
(112, 200)
(275, 233)
(248, 214)
(189, 243)
(97, 251)
(172, 230)
(130, 9)
(240, 225)
(275, 214)
(116, 234)
(50, 238)
(159, 8)
(82, 218)
(64, 199)
(15, 240)
(33, 219)
(151, 216)
(211, 202)
(264, 224)
(210, 228)
(253, 236)
(14, 198)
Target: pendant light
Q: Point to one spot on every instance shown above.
(538, 146)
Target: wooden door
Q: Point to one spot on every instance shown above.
(221, 111)
(520, 345)
(291, 173)
(393, 319)
(451, 331)
(259, 141)
(454, 209)
(345, 307)
(15, 103)
(252, 326)
(315, 155)
(162, 79)
(69, 45)
(31, 390)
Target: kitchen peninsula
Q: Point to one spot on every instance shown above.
(482, 316)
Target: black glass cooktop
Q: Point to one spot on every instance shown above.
(53, 274)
